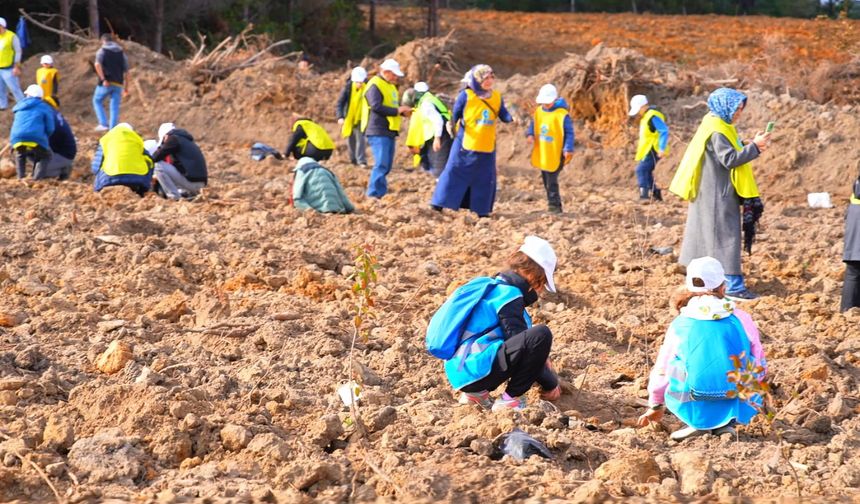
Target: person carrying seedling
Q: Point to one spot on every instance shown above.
(48, 78)
(486, 337)
(652, 147)
(550, 133)
(428, 137)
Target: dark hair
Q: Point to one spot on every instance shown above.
(524, 266)
(106, 37)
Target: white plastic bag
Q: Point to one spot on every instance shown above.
(819, 200)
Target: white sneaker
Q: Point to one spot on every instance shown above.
(101, 127)
(686, 432)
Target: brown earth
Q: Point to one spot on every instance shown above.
(233, 313)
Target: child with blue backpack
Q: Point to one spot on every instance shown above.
(486, 337)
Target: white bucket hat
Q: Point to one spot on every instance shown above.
(34, 91)
(46, 60)
(421, 87)
(708, 270)
(3, 22)
(636, 104)
(358, 74)
(541, 252)
(547, 95)
(151, 146)
(164, 129)
(392, 66)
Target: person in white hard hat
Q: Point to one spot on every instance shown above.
(32, 128)
(10, 65)
(708, 339)
(550, 133)
(501, 346)
(427, 136)
(652, 146)
(348, 112)
(380, 122)
(48, 78)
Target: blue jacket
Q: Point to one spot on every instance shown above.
(33, 122)
(317, 188)
(63, 140)
(568, 125)
(484, 335)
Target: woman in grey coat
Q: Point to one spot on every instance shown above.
(851, 255)
(714, 219)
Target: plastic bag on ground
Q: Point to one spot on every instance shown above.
(521, 446)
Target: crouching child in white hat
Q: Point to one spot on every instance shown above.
(487, 339)
(550, 133)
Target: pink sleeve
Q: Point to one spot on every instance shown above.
(658, 381)
(750, 328)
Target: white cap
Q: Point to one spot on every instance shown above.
(636, 104)
(359, 74)
(708, 270)
(151, 146)
(34, 91)
(46, 60)
(547, 95)
(123, 126)
(541, 252)
(164, 129)
(391, 66)
(421, 87)
(3, 22)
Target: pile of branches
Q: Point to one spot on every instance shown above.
(232, 53)
(428, 60)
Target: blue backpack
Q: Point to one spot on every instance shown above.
(446, 328)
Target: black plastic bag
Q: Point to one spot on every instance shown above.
(521, 446)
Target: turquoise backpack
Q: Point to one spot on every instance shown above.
(446, 328)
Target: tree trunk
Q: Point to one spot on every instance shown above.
(158, 35)
(65, 23)
(846, 8)
(433, 18)
(572, 5)
(635, 11)
(94, 18)
(371, 25)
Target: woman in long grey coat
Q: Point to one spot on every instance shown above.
(851, 254)
(714, 219)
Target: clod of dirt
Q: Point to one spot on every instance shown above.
(107, 456)
(636, 467)
(58, 433)
(115, 357)
(325, 430)
(235, 437)
(694, 470)
(592, 491)
(28, 358)
(383, 418)
(270, 446)
(171, 307)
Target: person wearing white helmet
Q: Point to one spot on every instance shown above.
(380, 121)
(32, 127)
(550, 134)
(10, 65)
(348, 113)
(180, 166)
(487, 339)
(48, 78)
(427, 136)
(652, 146)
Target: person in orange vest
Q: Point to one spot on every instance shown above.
(48, 78)
(10, 65)
(550, 133)
(653, 145)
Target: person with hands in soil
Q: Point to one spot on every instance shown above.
(309, 139)
(501, 344)
(550, 134)
(716, 177)
(689, 376)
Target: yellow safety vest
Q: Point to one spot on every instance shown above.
(855, 200)
(390, 98)
(353, 109)
(649, 139)
(7, 52)
(420, 129)
(316, 135)
(549, 138)
(45, 80)
(685, 183)
(479, 117)
(123, 153)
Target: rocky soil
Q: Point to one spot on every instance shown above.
(172, 351)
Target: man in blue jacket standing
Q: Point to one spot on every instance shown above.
(31, 129)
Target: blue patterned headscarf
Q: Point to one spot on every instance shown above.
(475, 77)
(724, 102)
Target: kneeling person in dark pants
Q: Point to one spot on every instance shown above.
(500, 344)
(311, 140)
(32, 127)
(180, 167)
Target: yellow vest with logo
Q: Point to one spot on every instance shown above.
(45, 79)
(649, 139)
(123, 153)
(315, 134)
(549, 138)
(7, 52)
(390, 98)
(480, 116)
(353, 109)
(685, 183)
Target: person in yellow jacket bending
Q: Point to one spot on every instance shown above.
(652, 147)
(309, 139)
(121, 159)
(715, 176)
(550, 133)
(349, 116)
(428, 137)
(48, 78)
